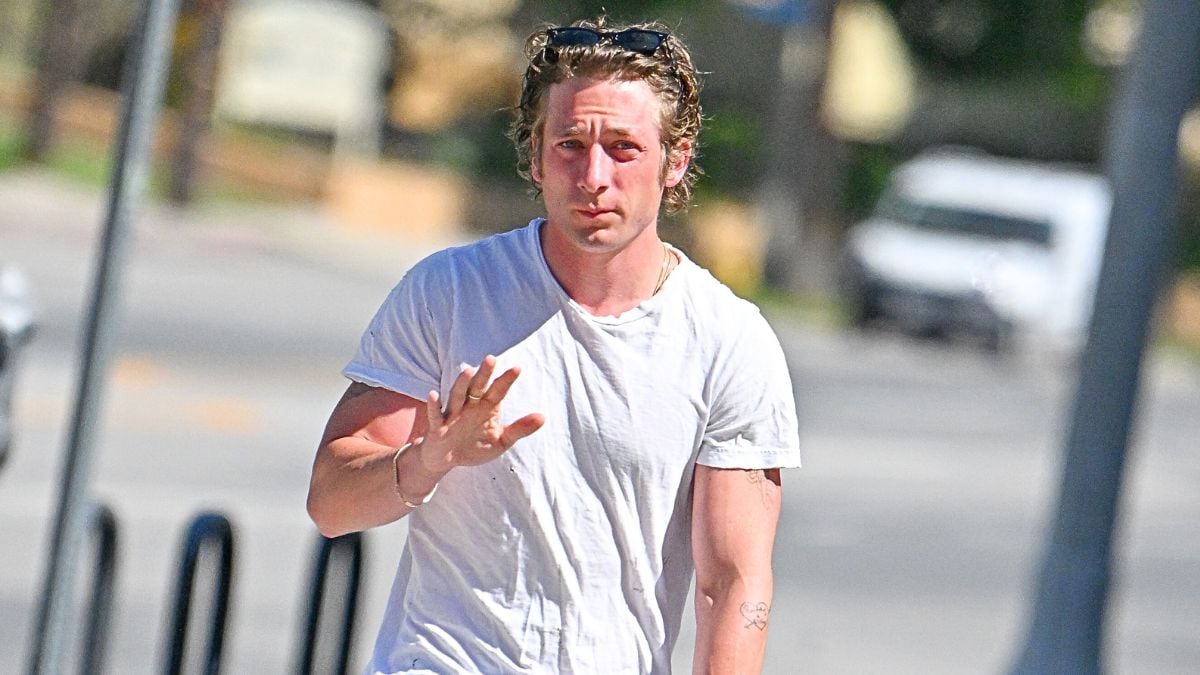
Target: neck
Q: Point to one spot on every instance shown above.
(607, 283)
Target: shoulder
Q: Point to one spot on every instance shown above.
(733, 334)
(712, 303)
(479, 261)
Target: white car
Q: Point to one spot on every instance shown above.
(970, 244)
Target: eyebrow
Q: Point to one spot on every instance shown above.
(576, 130)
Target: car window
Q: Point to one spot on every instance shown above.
(964, 221)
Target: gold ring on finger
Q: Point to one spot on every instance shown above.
(473, 397)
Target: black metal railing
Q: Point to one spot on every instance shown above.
(206, 559)
(102, 525)
(207, 530)
(343, 553)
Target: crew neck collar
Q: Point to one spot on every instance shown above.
(644, 308)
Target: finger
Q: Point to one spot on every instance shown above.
(502, 384)
(433, 411)
(458, 392)
(521, 428)
(479, 382)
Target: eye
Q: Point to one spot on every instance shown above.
(570, 144)
(625, 150)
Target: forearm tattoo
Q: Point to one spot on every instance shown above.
(755, 614)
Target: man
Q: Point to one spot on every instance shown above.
(571, 414)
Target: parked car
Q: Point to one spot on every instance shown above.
(963, 243)
(16, 328)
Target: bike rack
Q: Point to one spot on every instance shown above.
(103, 524)
(211, 529)
(349, 548)
(325, 645)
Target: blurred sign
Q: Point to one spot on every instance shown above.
(870, 82)
(308, 64)
(777, 11)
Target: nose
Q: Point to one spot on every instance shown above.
(597, 174)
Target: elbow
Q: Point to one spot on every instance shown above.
(316, 513)
(325, 504)
(324, 516)
(734, 582)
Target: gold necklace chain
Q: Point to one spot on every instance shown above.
(662, 274)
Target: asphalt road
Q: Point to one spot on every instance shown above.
(908, 542)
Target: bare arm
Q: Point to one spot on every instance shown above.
(352, 485)
(354, 482)
(734, 514)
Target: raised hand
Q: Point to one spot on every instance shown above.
(470, 431)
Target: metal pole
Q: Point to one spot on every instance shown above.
(145, 76)
(1066, 632)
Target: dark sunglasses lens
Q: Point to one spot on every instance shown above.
(568, 37)
(640, 41)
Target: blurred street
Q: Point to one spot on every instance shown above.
(908, 543)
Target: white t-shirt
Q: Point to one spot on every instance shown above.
(571, 552)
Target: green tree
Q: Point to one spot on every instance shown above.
(1010, 76)
(59, 63)
(201, 24)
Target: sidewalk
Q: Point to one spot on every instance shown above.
(306, 231)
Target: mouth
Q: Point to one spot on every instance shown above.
(590, 212)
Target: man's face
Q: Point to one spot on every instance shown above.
(599, 161)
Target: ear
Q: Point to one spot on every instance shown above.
(678, 165)
(535, 161)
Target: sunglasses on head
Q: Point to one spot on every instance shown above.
(637, 40)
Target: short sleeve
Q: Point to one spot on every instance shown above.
(399, 349)
(752, 420)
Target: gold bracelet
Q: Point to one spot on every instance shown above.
(396, 477)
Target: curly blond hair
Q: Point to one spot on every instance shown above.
(669, 72)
